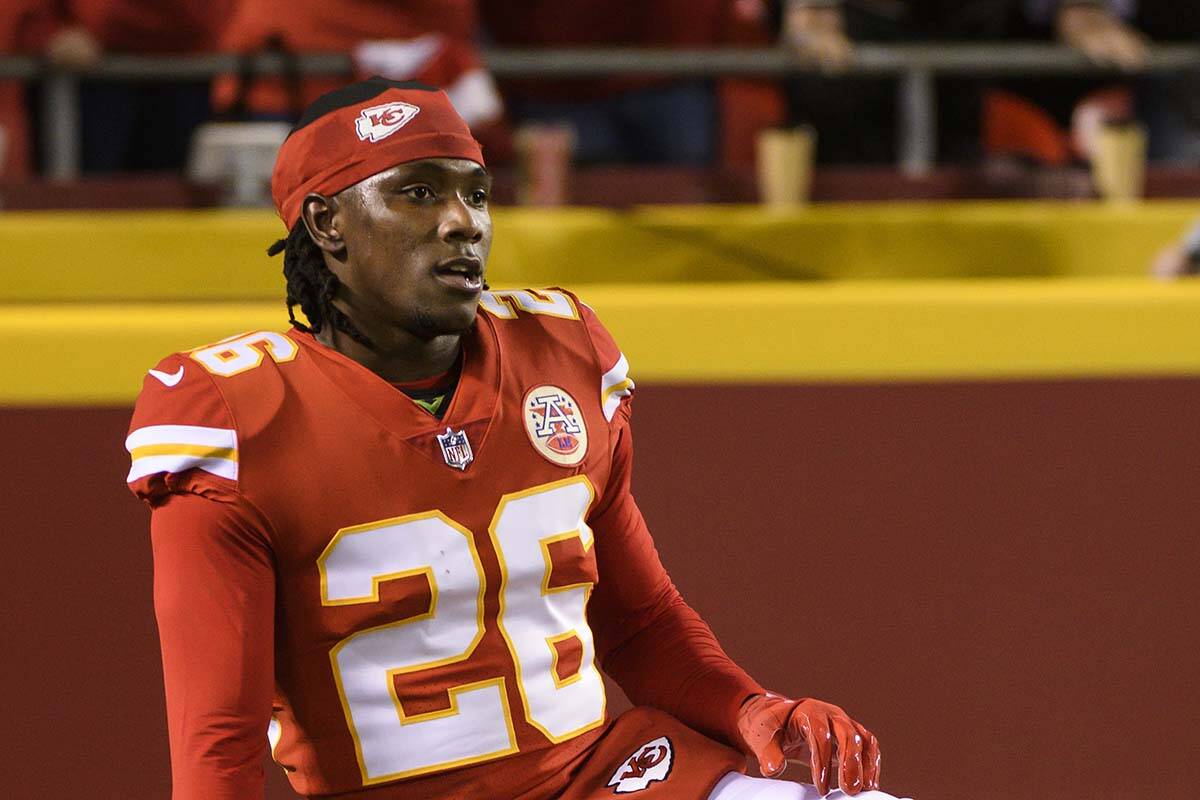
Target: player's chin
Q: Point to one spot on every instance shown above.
(443, 318)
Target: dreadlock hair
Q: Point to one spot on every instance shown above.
(312, 286)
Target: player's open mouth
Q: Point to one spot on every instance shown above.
(463, 273)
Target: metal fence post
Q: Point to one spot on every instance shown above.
(61, 132)
(917, 129)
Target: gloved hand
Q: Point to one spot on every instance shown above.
(774, 729)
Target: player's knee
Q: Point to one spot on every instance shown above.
(837, 794)
(736, 786)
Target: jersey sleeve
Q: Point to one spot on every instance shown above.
(615, 385)
(214, 582)
(648, 639)
(214, 600)
(182, 438)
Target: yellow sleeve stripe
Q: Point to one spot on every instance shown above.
(614, 385)
(201, 451)
(177, 448)
(621, 387)
(141, 467)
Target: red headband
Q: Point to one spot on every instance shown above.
(355, 140)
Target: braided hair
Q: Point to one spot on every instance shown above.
(312, 286)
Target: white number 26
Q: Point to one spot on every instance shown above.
(392, 743)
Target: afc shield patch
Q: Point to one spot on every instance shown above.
(555, 426)
(455, 449)
(650, 763)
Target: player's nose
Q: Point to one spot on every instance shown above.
(460, 222)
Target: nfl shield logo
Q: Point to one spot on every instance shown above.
(455, 448)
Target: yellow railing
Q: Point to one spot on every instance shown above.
(80, 354)
(219, 255)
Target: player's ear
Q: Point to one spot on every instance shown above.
(320, 218)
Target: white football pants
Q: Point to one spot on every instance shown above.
(736, 786)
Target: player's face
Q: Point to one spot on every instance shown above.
(417, 239)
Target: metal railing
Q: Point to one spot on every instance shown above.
(915, 67)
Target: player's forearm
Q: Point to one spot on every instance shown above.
(217, 746)
(205, 766)
(648, 639)
(214, 601)
(676, 664)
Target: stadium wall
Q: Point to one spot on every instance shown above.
(997, 577)
(989, 481)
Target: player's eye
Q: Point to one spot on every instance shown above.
(479, 197)
(418, 192)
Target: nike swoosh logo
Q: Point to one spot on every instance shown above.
(168, 379)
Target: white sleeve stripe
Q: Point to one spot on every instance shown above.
(182, 434)
(274, 734)
(618, 373)
(615, 385)
(149, 465)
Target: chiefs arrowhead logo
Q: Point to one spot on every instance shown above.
(650, 763)
(379, 122)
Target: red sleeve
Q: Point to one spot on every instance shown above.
(648, 639)
(214, 597)
(33, 24)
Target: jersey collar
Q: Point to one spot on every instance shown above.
(472, 407)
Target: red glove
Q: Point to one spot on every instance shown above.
(774, 729)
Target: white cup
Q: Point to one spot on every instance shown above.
(784, 161)
(1119, 162)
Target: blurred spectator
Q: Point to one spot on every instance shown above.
(816, 32)
(130, 125)
(1061, 113)
(430, 40)
(1031, 117)
(816, 29)
(438, 60)
(1170, 103)
(1096, 28)
(636, 119)
(855, 116)
(25, 28)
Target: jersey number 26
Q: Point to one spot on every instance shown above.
(392, 743)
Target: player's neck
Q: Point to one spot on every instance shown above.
(398, 356)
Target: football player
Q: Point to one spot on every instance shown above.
(399, 539)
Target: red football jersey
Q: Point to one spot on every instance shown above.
(436, 591)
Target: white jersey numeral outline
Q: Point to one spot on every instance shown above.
(534, 618)
(478, 726)
(505, 303)
(243, 352)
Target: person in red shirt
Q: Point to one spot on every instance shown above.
(25, 28)
(399, 539)
(432, 41)
(313, 26)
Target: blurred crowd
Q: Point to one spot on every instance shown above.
(148, 125)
